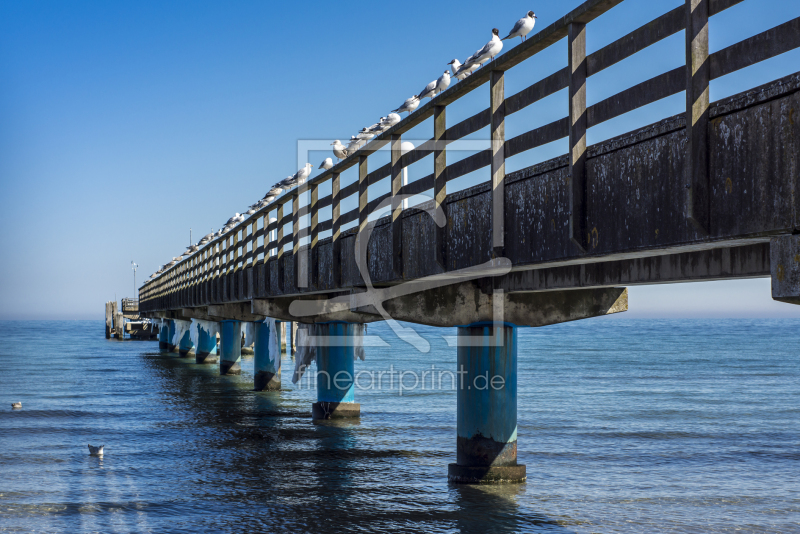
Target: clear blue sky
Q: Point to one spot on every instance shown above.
(123, 124)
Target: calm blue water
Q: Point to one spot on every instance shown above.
(624, 425)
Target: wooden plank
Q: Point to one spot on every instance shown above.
(336, 226)
(765, 45)
(351, 189)
(440, 183)
(421, 185)
(372, 205)
(469, 164)
(698, 190)
(397, 208)
(652, 90)
(498, 132)
(662, 27)
(577, 135)
(539, 90)
(468, 126)
(313, 265)
(537, 137)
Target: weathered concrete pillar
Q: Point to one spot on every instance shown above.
(185, 344)
(487, 406)
(206, 349)
(171, 336)
(267, 362)
(291, 336)
(163, 335)
(335, 372)
(230, 347)
(784, 260)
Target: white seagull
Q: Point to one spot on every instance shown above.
(429, 91)
(327, 164)
(489, 50)
(391, 119)
(443, 82)
(365, 134)
(523, 27)
(96, 451)
(455, 66)
(304, 173)
(409, 105)
(339, 150)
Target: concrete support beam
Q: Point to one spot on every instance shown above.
(784, 255)
(235, 311)
(171, 336)
(267, 364)
(279, 309)
(487, 406)
(230, 347)
(185, 345)
(335, 372)
(468, 303)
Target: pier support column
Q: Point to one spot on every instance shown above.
(267, 364)
(163, 335)
(185, 345)
(487, 406)
(206, 350)
(171, 336)
(335, 372)
(230, 347)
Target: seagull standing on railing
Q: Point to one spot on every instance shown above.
(365, 134)
(390, 120)
(327, 164)
(354, 144)
(523, 27)
(303, 174)
(429, 91)
(489, 50)
(443, 82)
(339, 150)
(455, 67)
(409, 105)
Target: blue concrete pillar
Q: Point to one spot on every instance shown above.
(230, 347)
(206, 350)
(290, 338)
(335, 372)
(163, 336)
(487, 406)
(171, 336)
(185, 346)
(267, 365)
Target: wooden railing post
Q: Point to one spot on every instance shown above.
(296, 239)
(397, 207)
(697, 105)
(363, 200)
(577, 135)
(313, 267)
(440, 182)
(498, 131)
(279, 254)
(336, 225)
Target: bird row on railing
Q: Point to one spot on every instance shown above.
(457, 70)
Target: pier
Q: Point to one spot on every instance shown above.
(709, 194)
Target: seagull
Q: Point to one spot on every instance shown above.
(339, 150)
(489, 50)
(391, 119)
(409, 105)
(269, 198)
(96, 451)
(354, 145)
(190, 250)
(455, 66)
(327, 164)
(523, 27)
(16, 405)
(289, 182)
(274, 191)
(250, 211)
(177, 259)
(365, 134)
(429, 90)
(303, 174)
(443, 82)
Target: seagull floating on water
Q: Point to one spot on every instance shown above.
(16, 405)
(489, 50)
(326, 164)
(96, 451)
(455, 67)
(523, 27)
(409, 105)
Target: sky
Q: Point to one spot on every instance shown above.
(125, 124)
